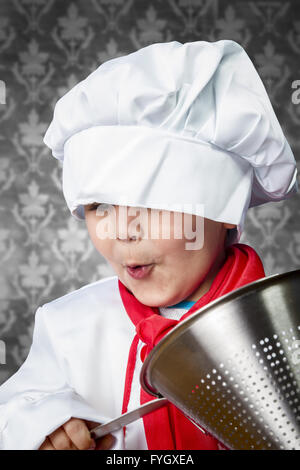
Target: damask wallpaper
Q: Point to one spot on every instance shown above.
(46, 47)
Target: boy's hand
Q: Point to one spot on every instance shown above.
(75, 435)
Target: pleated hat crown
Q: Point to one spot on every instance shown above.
(173, 124)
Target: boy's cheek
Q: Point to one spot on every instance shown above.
(103, 246)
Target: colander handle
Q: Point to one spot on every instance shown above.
(127, 418)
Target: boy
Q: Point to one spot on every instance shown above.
(178, 128)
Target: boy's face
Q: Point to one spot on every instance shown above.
(176, 273)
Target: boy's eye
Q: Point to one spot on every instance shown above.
(105, 207)
(93, 207)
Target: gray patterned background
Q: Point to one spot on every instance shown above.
(46, 47)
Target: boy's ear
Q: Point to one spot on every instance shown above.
(229, 226)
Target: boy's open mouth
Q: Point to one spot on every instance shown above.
(139, 271)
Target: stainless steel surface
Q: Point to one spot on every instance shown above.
(127, 418)
(233, 366)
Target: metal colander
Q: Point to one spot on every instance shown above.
(233, 367)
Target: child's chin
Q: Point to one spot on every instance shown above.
(151, 300)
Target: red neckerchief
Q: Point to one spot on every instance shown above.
(167, 428)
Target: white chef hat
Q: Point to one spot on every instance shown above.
(173, 123)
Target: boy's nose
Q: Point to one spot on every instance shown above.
(128, 238)
(131, 229)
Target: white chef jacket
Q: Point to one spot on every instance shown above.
(76, 367)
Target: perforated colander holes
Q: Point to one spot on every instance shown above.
(270, 357)
(258, 383)
(270, 394)
(285, 384)
(236, 431)
(220, 378)
(288, 337)
(225, 392)
(244, 421)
